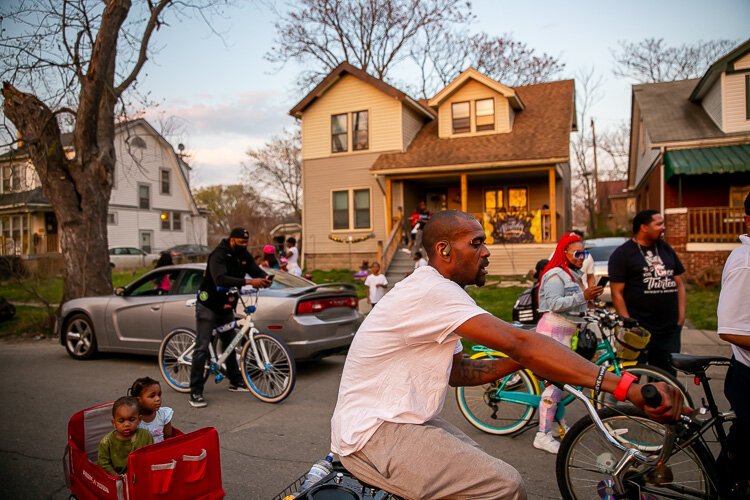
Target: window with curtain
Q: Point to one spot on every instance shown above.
(361, 209)
(339, 138)
(518, 199)
(166, 187)
(461, 117)
(360, 126)
(340, 209)
(485, 114)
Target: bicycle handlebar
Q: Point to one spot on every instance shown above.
(630, 452)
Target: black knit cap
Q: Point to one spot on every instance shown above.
(239, 232)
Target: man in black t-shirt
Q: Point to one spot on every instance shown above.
(647, 286)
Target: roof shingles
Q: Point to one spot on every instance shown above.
(540, 132)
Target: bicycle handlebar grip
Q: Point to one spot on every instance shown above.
(629, 322)
(651, 395)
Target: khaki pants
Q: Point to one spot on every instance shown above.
(430, 461)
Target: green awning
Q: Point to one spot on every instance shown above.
(720, 160)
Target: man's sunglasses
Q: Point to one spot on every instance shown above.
(581, 254)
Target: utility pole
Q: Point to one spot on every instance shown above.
(596, 176)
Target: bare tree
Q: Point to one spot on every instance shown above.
(276, 168)
(374, 35)
(444, 54)
(584, 191)
(651, 60)
(78, 58)
(237, 205)
(615, 142)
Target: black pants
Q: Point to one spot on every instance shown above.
(734, 465)
(206, 321)
(664, 341)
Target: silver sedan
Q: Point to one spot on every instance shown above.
(313, 320)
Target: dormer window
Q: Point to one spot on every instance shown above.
(339, 136)
(461, 117)
(485, 114)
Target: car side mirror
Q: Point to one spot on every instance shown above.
(120, 291)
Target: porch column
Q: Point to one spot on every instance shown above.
(388, 209)
(30, 247)
(464, 193)
(552, 205)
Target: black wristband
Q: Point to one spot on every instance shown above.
(599, 380)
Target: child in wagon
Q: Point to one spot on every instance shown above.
(115, 447)
(155, 418)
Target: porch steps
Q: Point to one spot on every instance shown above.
(401, 264)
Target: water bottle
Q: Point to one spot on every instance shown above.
(318, 471)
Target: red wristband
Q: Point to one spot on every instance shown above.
(627, 379)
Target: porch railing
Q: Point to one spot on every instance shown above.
(714, 224)
(388, 250)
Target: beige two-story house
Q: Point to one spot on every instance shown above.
(690, 157)
(371, 153)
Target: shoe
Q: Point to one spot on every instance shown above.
(237, 388)
(545, 441)
(563, 428)
(198, 401)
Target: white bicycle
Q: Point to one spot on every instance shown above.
(267, 366)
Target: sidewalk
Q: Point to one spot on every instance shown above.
(704, 343)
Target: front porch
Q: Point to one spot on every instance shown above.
(28, 234)
(523, 210)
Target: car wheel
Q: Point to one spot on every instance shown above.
(80, 339)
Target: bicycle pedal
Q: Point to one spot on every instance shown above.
(219, 378)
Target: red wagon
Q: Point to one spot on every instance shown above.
(184, 466)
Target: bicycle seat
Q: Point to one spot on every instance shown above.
(695, 364)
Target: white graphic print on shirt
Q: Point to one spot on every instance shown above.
(656, 276)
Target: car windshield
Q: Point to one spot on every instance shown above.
(602, 253)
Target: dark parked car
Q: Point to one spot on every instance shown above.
(313, 320)
(189, 253)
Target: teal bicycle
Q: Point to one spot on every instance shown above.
(507, 406)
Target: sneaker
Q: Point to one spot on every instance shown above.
(198, 401)
(237, 388)
(545, 441)
(563, 428)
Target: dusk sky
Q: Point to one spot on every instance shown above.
(230, 98)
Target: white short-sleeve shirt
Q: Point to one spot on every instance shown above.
(376, 292)
(399, 363)
(156, 426)
(733, 313)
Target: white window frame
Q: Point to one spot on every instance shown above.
(138, 194)
(350, 197)
(114, 218)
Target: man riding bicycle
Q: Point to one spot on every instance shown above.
(227, 267)
(407, 352)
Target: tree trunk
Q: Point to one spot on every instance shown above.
(78, 190)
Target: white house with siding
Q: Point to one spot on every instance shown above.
(151, 206)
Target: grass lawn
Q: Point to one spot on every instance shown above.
(29, 321)
(701, 307)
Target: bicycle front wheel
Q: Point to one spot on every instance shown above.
(503, 407)
(645, 374)
(271, 374)
(586, 462)
(176, 358)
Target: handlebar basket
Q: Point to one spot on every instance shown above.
(631, 341)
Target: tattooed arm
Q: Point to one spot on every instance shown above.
(467, 371)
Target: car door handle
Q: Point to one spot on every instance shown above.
(155, 308)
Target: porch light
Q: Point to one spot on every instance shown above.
(164, 216)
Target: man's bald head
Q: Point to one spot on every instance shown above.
(445, 225)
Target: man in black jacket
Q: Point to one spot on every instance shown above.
(227, 267)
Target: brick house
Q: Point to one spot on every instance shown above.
(371, 153)
(690, 158)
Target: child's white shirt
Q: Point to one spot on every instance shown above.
(156, 426)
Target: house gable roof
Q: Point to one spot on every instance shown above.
(726, 63)
(347, 69)
(472, 74)
(540, 135)
(670, 116)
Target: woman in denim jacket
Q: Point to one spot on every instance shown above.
(561, 300)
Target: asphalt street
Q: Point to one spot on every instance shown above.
(263, 447)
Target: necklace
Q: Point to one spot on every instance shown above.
(640, 249)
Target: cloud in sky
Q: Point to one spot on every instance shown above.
(218, 130)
